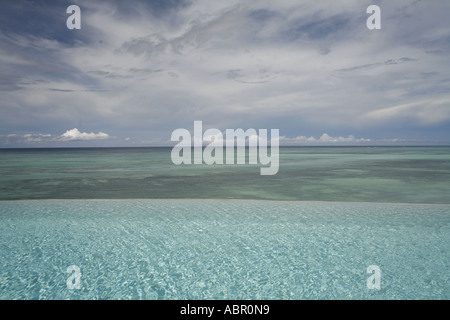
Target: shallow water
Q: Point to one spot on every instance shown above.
(361, 174)
(359, 207)
(222, 249)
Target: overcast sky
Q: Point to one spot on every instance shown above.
(137, 70)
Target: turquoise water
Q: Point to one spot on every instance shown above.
(231, 249)
(362, 174)
(162, 231)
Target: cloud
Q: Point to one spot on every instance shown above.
(37, 139)
(429, 112)
(324, 139)
(76, 135)
(143, 69)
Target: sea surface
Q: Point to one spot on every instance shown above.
(362, 174)
(135, 226)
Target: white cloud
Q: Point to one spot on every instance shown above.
(41, 139)
(36, 137)
(324, 139)
(75, 135)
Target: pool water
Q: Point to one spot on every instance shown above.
(222, 249)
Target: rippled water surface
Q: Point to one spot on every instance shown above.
(229, 249)
(163, 231)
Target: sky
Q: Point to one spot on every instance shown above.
(138, 70)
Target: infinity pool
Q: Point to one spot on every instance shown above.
(222, 249)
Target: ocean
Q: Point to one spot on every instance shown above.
(361, 174)
(126, 223)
